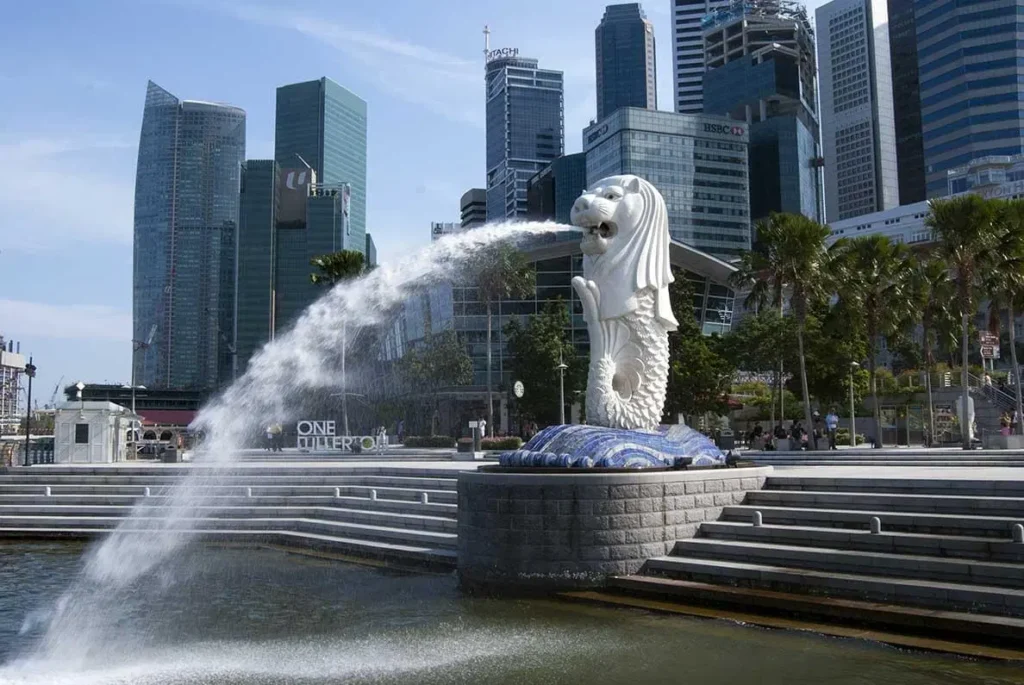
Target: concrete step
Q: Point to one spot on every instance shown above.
(917, 486)
(400, 554)
(957, 546)
(404, 494)
(884, 462)
(874, 501)
(237, 481)
(225, 469)
(414, 537)
(420, 520)
(963, 625)
(380, 504)
(907, 522)
(866, 587)
(928, 568)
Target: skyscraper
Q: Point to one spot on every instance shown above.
(625, 60)
(906, 100)
(760, 64)
(971, 79)
(525, 128)
(473, 208)
(688, 52)
(257, 258)
(858, 130)
(553, 190)
(325, 125)
(186, 216)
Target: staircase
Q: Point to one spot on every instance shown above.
(371, 512)
(943, 560)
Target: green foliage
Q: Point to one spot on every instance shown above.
(843, 437)
(512, 443)
(337, 266)
(534, 350)
(441, 361)
(699, 375)
(501, 272)
(429, 441)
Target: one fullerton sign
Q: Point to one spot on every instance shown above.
(322, 435)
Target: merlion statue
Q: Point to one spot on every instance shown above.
(624, 291)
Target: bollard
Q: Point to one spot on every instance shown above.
(337, 493)
(423, 498)
(248, 492)
(48, 491)
(146, 492)
(1018, 533)
(876, 525)
(757, 519)
(373, 495)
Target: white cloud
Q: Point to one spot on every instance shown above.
(73, 322)
(445, 84)
(51, 196)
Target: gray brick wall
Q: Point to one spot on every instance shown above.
(553, 531)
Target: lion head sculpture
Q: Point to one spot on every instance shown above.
(626, 245)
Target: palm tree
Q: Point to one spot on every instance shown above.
(1004, 283)
(875, 275)
(965, 234)
(790, 256)
(931, 295)
(502, 273)
(332, 269)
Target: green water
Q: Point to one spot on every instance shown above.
(234, 616)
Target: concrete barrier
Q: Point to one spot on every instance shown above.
(551, 531)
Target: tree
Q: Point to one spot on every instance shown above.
(332, 269)
(535, 350)
(699, 375)
(1004, 283)
(759, 344)
(441, 361)
(790, 256)
(965, 236)
(875, 278)
(932, 295)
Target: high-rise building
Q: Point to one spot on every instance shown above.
(552, 191)
(257, 259)
(625, 60)
(906, 100)
(858, 131)
(324, 124)
(688, 52)
(473, 208)
(371, 252)
(697, 162)
(760, 64)
(525, 128)
(971, 76)
(439, 229)
(186, 216)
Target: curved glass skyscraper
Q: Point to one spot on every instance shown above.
(186, 215)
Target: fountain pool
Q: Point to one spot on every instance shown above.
(262, 616)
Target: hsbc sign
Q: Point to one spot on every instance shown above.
(724, 129)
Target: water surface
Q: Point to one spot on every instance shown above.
(224, 616)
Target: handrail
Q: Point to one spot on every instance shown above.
(999, 397)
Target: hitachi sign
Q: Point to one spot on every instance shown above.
(724, 129)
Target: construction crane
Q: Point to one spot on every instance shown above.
(53, 397)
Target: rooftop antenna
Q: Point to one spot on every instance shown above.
(487, 41)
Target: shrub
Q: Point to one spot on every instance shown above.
(429, 441)
(843, 437)
(512, 443)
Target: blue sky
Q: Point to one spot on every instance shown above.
(72, 84)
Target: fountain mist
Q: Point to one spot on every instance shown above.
(134, 558)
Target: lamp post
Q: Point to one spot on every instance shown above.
(853, 421)
(30, 371)
(561, 387)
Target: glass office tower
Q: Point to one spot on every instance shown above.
(525, 129)
(324, 124)
(971, 75)
(257, 258)
(906, 100)
(186, 215)
(625, 60)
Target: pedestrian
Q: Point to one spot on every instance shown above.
(832, 425)
(268, 438)
(1015, 422)
(401, 431)
(382, 439)
(483, 428)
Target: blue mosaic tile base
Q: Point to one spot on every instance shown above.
(576, 446)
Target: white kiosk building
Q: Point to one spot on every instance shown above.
(91, 433)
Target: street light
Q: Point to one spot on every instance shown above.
(561, 387)
(853, 421)
(30, 371)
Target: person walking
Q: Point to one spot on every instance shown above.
(382, 439)
(400, 431)
(832, 425)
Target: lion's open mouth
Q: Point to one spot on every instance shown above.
(605, 229)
